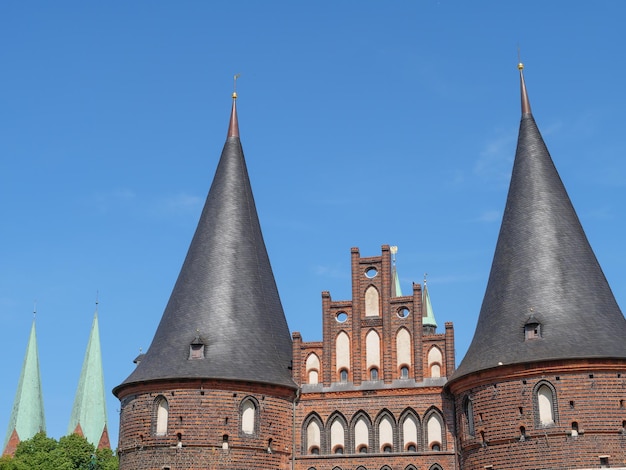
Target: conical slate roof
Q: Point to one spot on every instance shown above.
(225, 308)
(27, 417)
(89, 413)
(544, 274)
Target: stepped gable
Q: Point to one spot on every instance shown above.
(224, 319)
(544, 273)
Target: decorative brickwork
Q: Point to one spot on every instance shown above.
(204, 426)
(587, 410)
(382, 411)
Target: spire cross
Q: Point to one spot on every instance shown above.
(394, 250)
(425, 276)
(35, 310)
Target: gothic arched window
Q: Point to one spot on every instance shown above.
(161, 415)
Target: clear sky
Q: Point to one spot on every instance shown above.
(363, 123)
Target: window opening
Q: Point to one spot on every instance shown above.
(248, 417)
(162, 415)
(522, 433)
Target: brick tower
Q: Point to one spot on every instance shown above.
(371, 390)
(543, 384)
(215, 390)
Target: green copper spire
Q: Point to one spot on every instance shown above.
(428, 317)
(27, 416)
(89, 415)
(397, 291)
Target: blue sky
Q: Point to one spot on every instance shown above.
(363, 123)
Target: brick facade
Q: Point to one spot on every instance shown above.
(401, 387)
(204, 426)
(588, 411)
(551, 415)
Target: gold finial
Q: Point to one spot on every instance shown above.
(520, 66)
(425, 276)
(394, 250)
(235, 85)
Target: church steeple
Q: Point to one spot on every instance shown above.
(89, 416)
(396, 290)
(27, 416)
(224, 318)
(428, 316)
(547, 297)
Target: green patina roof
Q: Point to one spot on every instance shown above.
(397, 291)
(89, 410)
(27, 416)
(428, 317)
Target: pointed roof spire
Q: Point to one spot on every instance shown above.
(544, 273)
(523, 92)
(225, 300)
(428, 316)
(89, 414)
(233, 127)
(395, 286)
(27, 416)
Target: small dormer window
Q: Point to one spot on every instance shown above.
(196, 349)
(532, 330)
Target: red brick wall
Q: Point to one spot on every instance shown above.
(388, 394)
(202, 412)
(590, 393)
(395, 401)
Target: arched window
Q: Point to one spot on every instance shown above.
(248, 416)
(468, 413)
(404, 350)
(404, 372)
(372, 302)
(385, 433)
(409, 426)
(372, 350)
(162, 411)
(545, 404)
(313, 435)
(313, 368)
(410, 467)
(337, 435)
(361, 433)
(435, 359)
(435, 467)
(373, 373)
(434, 430)
(343, 375)
(342, 351)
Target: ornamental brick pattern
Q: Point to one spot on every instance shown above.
(201, 414)
(390, 395)
(588, 407)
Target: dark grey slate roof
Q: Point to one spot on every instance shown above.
(225, 297)
(543, 270)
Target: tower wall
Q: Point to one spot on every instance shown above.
(587, 403)
(200, 415)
